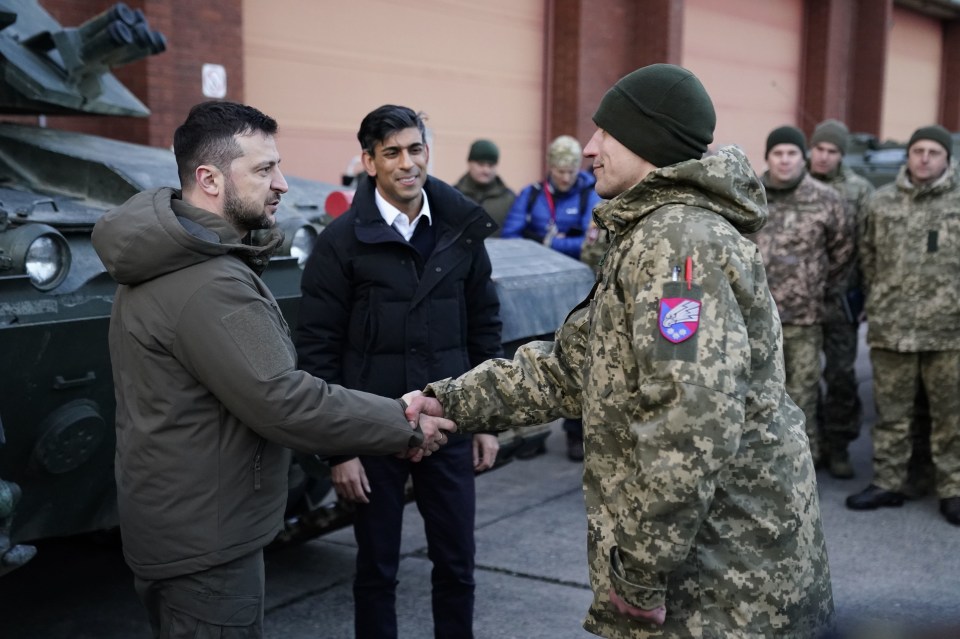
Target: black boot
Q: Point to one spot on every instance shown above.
(873, 497)
(574, 447)
(839, 465)
(950, 508)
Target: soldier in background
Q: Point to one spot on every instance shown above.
(807, 246)
(840, 410)
(558, 212)
(699, 485)
(908, 254)
(482, 184)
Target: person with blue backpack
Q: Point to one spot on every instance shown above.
(557, 210)
(557, 213)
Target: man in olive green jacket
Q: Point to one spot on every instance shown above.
(482, 184)
(700, 489)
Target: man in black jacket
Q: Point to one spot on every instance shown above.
(397, 293)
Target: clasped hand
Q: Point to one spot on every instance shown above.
(427, 413)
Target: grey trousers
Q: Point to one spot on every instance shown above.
(224, 602)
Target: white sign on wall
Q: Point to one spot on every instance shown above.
(213, 78)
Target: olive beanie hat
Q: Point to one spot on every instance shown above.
(660, 112)
(833, 131)
(933, 132)
(484, 151)
(786, 135)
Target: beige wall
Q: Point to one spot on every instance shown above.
(475, 68)
(747, 54)
(911, 89)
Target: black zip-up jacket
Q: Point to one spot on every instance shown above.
(369, 320)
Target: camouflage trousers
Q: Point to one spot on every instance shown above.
(801, 358)
(840, 409)
(895, 378)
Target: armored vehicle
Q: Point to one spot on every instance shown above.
(57, 402)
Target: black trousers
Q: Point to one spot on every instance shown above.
(224, 602)
(445, 495)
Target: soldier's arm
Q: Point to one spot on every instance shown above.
(865, 243)
(540, 384)
(686, 424)
(840, 235)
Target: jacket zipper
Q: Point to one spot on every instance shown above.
(258, 463)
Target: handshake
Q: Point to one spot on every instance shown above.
(426, 414)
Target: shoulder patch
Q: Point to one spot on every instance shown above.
(678, 322)
(679, 318)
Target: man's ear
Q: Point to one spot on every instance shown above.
(368, 164)
(209, 179)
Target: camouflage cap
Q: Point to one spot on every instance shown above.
(564, 153)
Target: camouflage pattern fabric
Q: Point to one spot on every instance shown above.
(807, 248)
(841, 411)
(801, 358)
(595, 245)
(910, 257)
(895, 388)
(699, 484)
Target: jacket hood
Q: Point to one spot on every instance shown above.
(156, 232)
(723, 183)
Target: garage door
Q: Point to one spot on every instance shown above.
(911, 91)
(747, 54)
(475, 68)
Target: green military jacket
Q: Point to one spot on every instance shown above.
(495, 198)
(698, 480)
(910, 256)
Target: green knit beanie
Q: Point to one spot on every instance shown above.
(786, 135)
(660, 112)
(484, 151)
(933, 132)
(833, 131)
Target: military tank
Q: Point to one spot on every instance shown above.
(57, 404)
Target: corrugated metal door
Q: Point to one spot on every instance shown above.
(747, 54)
(475, 68)
(911, 91)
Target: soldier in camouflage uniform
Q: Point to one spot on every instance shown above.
(699, 485)
(807, 247)
(910, 257)
(840, 409)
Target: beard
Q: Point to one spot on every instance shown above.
(245, 214)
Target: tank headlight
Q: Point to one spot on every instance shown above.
(38, 251)
(299, 237)
(302, 243)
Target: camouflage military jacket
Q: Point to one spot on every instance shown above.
(807, 248)
(910, 256)
(698, 480)
(855, 190)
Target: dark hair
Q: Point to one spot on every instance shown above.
(207, 136)
(383, 122)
